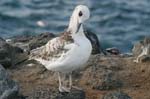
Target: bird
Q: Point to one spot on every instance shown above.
(69, 52)
(145, 49)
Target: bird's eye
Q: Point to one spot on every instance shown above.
(80, 14)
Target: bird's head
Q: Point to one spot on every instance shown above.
(80, 14)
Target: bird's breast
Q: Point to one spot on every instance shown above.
(82, 52)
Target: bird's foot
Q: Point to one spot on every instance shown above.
(64, 89)
(135, 61)
(77, 88)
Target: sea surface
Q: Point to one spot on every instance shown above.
(117, 23)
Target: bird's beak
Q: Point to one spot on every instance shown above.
(78, 27)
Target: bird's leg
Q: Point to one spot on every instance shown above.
(61, 87)
(70, 81)
(65, 82)
(60, 84)
(76, 87)
(137, 59)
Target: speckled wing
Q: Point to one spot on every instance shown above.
(53, 49)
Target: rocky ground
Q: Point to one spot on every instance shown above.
(105, 77)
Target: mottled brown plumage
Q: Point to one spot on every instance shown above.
(54, 48)
(145, 49)
(146, 41)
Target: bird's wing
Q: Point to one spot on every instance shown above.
(54, 49)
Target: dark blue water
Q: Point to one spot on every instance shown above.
(118, 23)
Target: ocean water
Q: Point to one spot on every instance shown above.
(117, 23)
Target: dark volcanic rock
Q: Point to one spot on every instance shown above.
(40, 40)
(101, 77)
(116, 95)
(95, 42)
(145, 58)
(3, 48)
(5, 53)
(113, 51)
(42, 93)
(106, 78)
(47, 93)
(1, 39)
(22, 38)
(9, 54)
(74, 94)
(8, 88)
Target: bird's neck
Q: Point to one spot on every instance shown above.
(73, 29)
(79, 34)
(73, 23)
